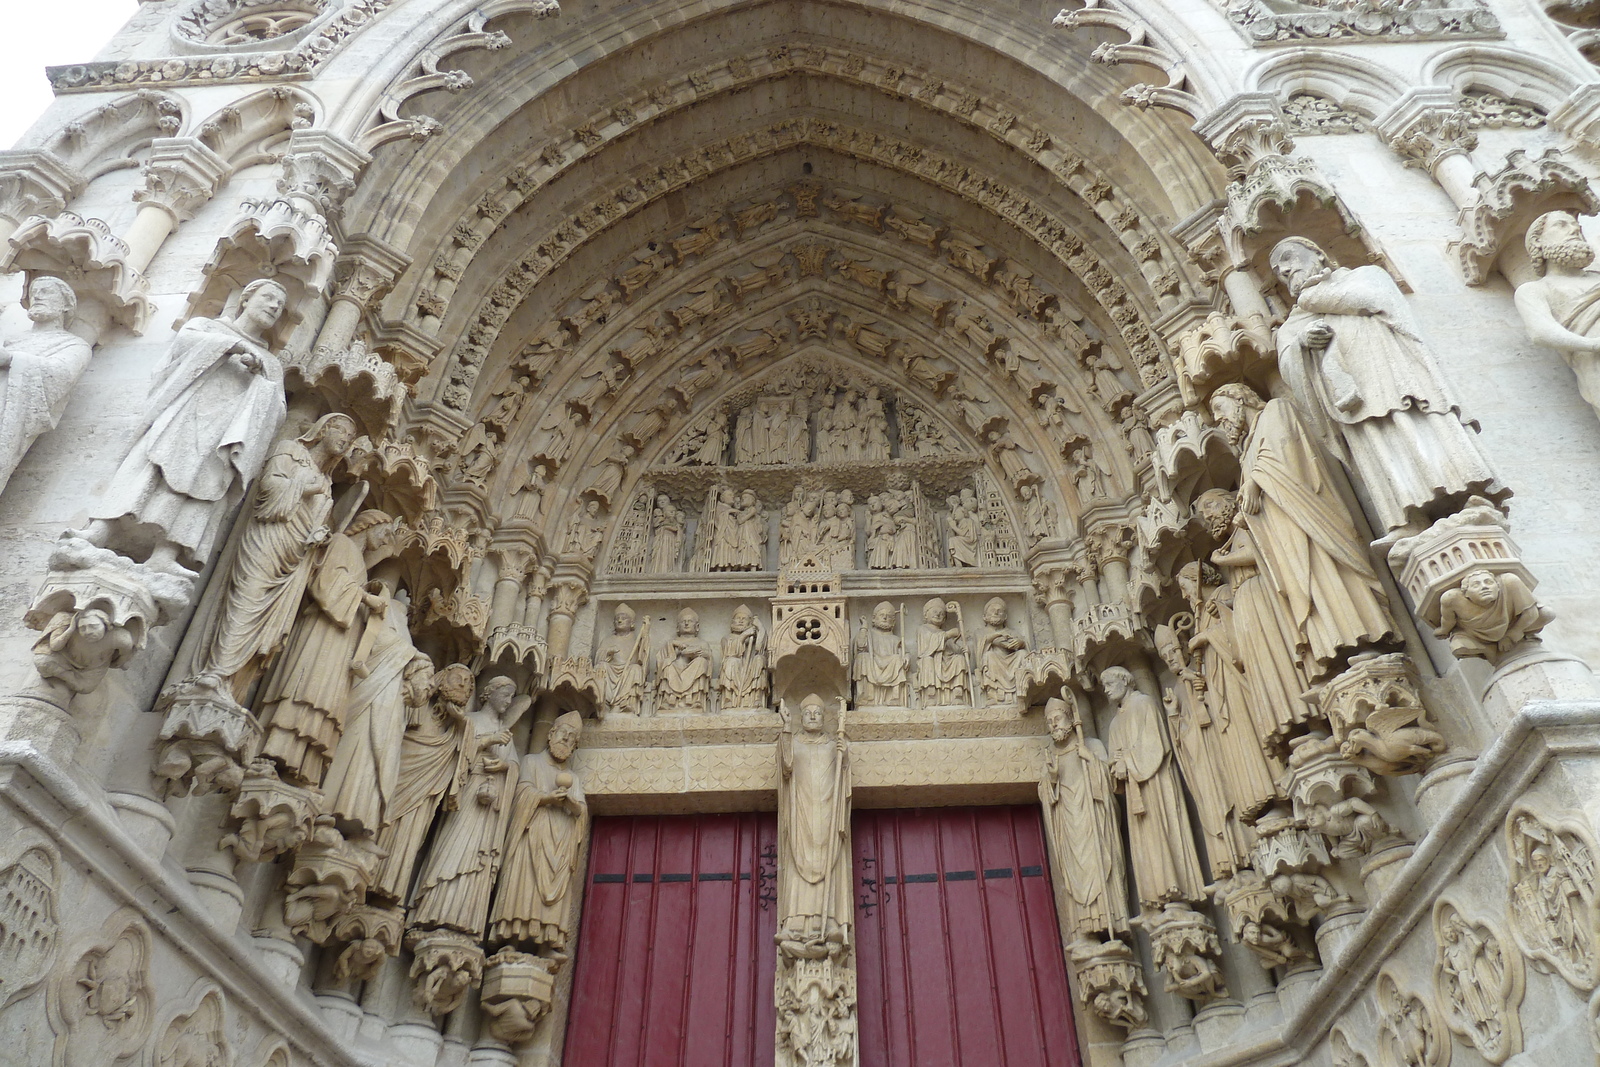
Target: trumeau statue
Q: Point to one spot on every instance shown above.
(683, 679)
(623, 659)
(458, 875)
(273, 560)
(816, 900)
(41, 368)
(1000, 654)
(1081, 823)
(549, 821)
(304, 700)
(1165, 867)
(1561, 308)
(214, 408)
(743, 683)
(363, 781)
(1352, 349)
(1304, 536)
(438, 734)
(944, 676)
(880, 661)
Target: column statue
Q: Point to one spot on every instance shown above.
(880, 665)
(1273, 679)
(1305, 537)
(816, 902)
(1000, 654)
(438, 735)
(304, 699)
(683, 680)
(549, 823)
(363, 781)
(1250, 781)
(1561, 307)
(268, 572)
(744, 663)
(1081, 825)
(623, 660)
(458, 876)
(214, 407)
(943, 675)
(41, 368)
(1352, 349)
(1165, 867)
(1197, 747)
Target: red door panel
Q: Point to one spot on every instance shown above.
(958, 954)
(675, 953)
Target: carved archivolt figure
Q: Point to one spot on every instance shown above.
(1489, 614)
(453, 891)
(744, 663)
(1038, 514)
(41, 368)
(1081, 822)
(392, 679)
(1272, 677)
(437, 735)
(215, 406)
(304, 700)
(815, 893)
(1352, 348)
(880, 661)
(269, 570)
(1000, 654)
(1303, 533)
(1165, 867)
(623, 660)
(1561, 308)
(549, 821)
(684, 676)
(585, 532)
(943, 674)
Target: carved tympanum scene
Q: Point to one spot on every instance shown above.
(829, 534)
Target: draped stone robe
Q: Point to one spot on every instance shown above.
(1250, 777)
(1081, 819)
(1408, 441)
(364, 778)
(45, 365)
(813, 827)
(212, 423)
(533, 901)
(1165, 866)
(744, 663)
(1308, 543)
(433, 765)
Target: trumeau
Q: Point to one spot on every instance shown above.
(426, 426)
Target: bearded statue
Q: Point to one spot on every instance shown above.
(1561, 307)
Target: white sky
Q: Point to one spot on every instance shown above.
(41, 33)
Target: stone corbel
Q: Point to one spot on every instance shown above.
(446, 965)
(1467, 579)
(329, 877)
(93, 260)
(1264, 922)
(371, 932)
(1507, 202)
(1110, 982)
(34, 181)
(274, 816)
(517, 991)
(1183, 944)
(1376, 715)
(1427, 128)
(181, 175)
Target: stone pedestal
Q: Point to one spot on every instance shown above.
(1536, 675)
(1143, 1048)
(146, 820)
(39, 724)
(1214, 1024)
(1439, 787)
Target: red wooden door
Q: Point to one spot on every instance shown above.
(675, 955)
(958, 954)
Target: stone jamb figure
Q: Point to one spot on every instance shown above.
(41, 369)
(215, 406)
(1561, 307)
(1081, 819)
(549, 823)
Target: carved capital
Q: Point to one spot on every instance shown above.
(274, 816)
(34, 181)
(517, 990)
(1427, 125)
(1184, 944)
(1245, 131)
(320, 169)
(1110, 542)
(180, 176)
(366, 270)
(1111, 982)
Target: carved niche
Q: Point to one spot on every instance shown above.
(1478, 977)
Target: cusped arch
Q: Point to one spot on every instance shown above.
(256, 128)
(1352, 82)
(114, 135)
